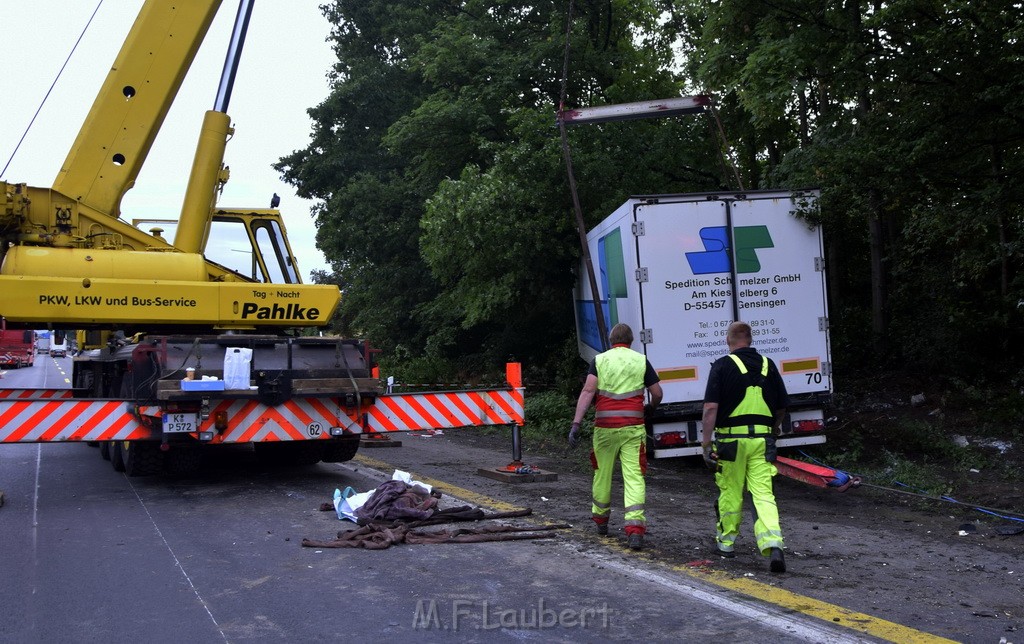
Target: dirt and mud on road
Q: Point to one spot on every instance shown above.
(943, 569)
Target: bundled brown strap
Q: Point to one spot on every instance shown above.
(378, 536)
(478, 535)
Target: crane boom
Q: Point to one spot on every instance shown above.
(130, 107)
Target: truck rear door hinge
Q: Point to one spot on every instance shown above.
(638, 228)
(819, 264)
(826, 369)
(641, 274)
(823, 323)
(646, 336)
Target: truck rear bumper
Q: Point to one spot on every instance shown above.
(695, 450)
(678, 433)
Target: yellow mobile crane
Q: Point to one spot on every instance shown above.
(157, 312)
(68, 258)
(156, 315)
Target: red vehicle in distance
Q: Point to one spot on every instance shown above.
(17, 347)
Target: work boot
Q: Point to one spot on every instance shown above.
(602, 529)
(728, 554)
(636, 541)
(778, 561)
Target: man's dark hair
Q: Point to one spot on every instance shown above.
(621, 334)
(739, 335)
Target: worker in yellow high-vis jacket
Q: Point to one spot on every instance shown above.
(617, 379)
(745, 403)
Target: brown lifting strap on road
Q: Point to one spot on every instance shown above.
(379, 536)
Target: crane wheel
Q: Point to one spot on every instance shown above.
(339, 450)
(290, 454)
(183, 459)
(141, 458)
(116, 456)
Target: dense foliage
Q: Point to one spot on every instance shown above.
(444, 203)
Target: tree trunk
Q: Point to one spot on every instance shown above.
(997, 205)
(879, 291)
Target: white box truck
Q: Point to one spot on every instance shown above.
(667, 265)
(59, 349)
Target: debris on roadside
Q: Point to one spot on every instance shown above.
(408, 497)
(382, 535)
(389, 514)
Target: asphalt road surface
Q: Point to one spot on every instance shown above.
(94, 556)
(46, 372)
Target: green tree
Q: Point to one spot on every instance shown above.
(905, 114)
(445, 207)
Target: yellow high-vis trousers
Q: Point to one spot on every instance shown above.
(629, 445)
(742, 464)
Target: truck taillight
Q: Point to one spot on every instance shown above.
(670, 439)
(220, 420)
(813, 425)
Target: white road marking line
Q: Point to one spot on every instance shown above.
(177, 563)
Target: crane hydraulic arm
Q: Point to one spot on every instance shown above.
(69, 259)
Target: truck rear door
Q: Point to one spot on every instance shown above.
(687, 271)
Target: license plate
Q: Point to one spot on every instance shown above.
(181, 423)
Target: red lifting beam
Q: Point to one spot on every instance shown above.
(816, 475)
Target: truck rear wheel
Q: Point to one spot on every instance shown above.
(339, 450)
(105, 450)
(183, 459)
(116, 456)
(290, 454)
(141, 458)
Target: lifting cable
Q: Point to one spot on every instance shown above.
(1002, 514)
(724, 146)
(602, 330)
(52, 85)
(728, 168)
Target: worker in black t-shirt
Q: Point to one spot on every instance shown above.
(744, 404)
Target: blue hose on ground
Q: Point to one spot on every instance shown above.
(949, 499)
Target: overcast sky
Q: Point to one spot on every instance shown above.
(282, 73)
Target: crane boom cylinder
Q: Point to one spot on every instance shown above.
(206, 176)
(227, 77)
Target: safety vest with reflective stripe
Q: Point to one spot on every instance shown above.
(752, 410)
(620, 388)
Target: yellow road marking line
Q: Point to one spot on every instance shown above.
(861, 622)
(837, 615)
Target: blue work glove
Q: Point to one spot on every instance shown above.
(710, 458)
(574, 436)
